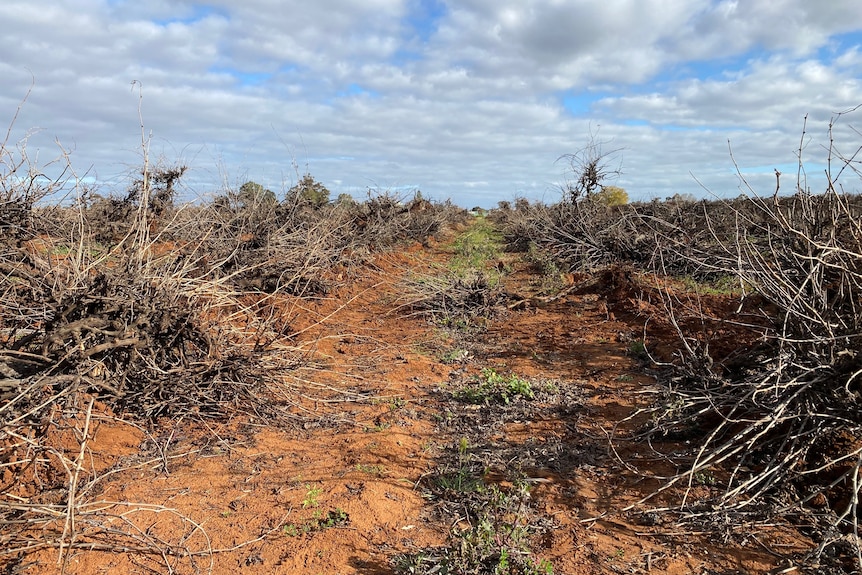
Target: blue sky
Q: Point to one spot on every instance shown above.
(472, 100)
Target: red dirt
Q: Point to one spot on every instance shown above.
(249, 497)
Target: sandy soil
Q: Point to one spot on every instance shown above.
(345, 489)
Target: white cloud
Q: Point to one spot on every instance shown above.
(469, 105)
(767, 95)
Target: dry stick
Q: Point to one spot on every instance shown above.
(263, 536)
(151, 544)
(854, 506)
(765, 424)
(154, 544)
(42, 381)
(69, 526)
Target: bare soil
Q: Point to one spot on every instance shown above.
(345, 489)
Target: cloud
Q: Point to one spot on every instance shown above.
(473, 100)
(732, 27)
(766, 95)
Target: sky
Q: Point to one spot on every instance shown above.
(477, 101)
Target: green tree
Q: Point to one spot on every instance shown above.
(345, 200)
(252, 193)
(309, 192)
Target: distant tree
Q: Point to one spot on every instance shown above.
(612, 196)
(309, 192)
(345, 200)
(254, 194)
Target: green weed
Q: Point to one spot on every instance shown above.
(497, 543)
(706, 478)
(454, 356)
(318, 522)
(722, 285)
(492, 387)
(394, 403)
(476, 248)
(461, 480)
(637, 349)
(311, 496)
(550, 278)
(464, 478)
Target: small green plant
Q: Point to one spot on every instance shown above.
(637, 349)
(394, 403)
(311, 496)
(706, 478)
(541, 260)
(318, 522)
(334, 518)
(502, 562)
(490, 386)
(377, 428)
(454, 356)
(421, 562)
(461, 480)
(551, 278)
(464, 478)
(497, 543)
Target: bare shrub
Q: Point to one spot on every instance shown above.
(591, 167)
(257, 243)
(144, 332)
(586, 235)
(784, 419)
(451, 299)
(385, 219)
